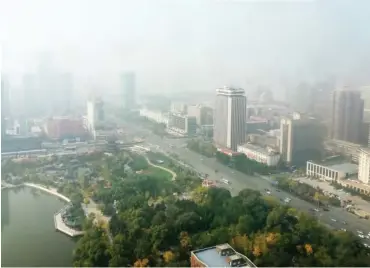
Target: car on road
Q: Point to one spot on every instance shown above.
(334, 220)
(343, 229)
(361, 236)
(268, 192)
(225, 181)
(345, 223)
(316, 209)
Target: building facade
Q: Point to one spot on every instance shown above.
(95, 113)
(59, 128)
(301, 139)
(333, 172)
(346, 115)
(155, 116)
(364, 166)
(203, 114)
(229, 118)
(265, 156)
(182, 124)
(128, 90)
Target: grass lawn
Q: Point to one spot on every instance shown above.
(154, 157)
(158, 173)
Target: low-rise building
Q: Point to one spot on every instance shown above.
(154, 116)
(264, 140)
(262, 155)
(349, 149)
(257, 127)
(219, 256)
(331, 172)
(182, 124)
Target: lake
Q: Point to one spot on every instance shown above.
(28, 236)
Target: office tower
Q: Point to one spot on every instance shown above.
(346, 115)
(229, 118)
(301, 139)
(95, 113)
(364, 165)
(128, 90)
(203, 114)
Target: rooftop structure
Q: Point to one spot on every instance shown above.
(219, 256)
(263, 155)
(331, 172)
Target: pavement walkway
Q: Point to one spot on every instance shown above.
(174, 175)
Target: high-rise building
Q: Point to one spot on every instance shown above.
(95, 114)
(128, 90)
(364, 165)
(301, 139)
(346, 115)
(229, 118)
(203, 114)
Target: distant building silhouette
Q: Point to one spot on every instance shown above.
(346, 115)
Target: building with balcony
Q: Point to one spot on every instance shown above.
(219, 256)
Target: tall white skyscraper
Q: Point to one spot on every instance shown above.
(364, 165)
(229, 118)
(95, 114)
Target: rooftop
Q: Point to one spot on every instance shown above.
(341, 167)
(257, 148)
(212, 258)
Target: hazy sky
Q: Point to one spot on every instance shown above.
(189, 44)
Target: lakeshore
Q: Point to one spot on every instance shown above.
(59, 224)
(28, 235)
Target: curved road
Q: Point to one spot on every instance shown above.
(336, 218)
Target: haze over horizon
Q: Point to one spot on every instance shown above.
(189, 45)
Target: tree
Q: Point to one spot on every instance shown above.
(168, 256)
(141, 263)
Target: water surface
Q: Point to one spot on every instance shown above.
(28, 236)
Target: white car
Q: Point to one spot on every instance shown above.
(268, 192)
(367, 236)
(225, 181)
(361, 236)
(334, 220)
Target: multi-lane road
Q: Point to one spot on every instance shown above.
(336, 218)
